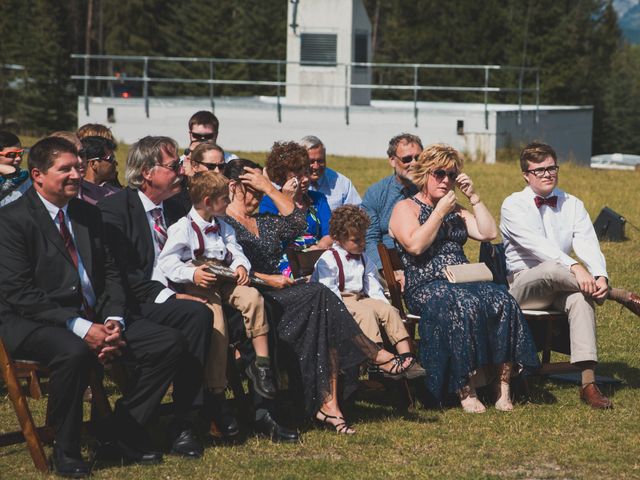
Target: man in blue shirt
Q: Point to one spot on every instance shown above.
(382, 196)
(336, 187)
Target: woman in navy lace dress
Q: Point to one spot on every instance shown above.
(463, 326)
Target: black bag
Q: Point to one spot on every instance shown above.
(492, 254)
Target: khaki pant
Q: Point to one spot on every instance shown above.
(250, 303)
(551, 285)
(371, 314)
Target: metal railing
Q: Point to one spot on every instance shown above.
(279, 83)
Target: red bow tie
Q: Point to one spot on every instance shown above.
(211, 229)
(551, 201)
(353, 256)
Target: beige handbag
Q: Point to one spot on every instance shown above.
(468, 272)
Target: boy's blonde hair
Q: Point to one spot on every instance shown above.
(347, 219)
(207, 184)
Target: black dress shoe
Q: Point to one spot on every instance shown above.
(123, 451)
(187, 445)
(219, 412)
(268, 427)
(262, 379)
(71, 466)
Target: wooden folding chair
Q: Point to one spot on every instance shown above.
(15, 370)
(550, 328)
(391, 264)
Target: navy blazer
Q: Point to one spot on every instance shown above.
(39, 283)
(129, 238)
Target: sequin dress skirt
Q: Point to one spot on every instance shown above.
(324, 337)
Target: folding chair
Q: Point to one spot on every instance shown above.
(550, 328)
(12, 372)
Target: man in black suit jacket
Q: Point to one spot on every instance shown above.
(63, 305)
(136, 220)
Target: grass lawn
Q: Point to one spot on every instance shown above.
(551, 436)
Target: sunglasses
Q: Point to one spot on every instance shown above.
(441, 173)
(210, 166)
(174, 166)
(408, 158)
(110, 158)
(202, 137)
(540, 172)
(13, 154)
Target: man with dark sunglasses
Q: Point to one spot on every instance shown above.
(381, 197)
(98, 154)
(542, 226)
(203, 127)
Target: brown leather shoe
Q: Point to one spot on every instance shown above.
(627, 299)
(591, 394)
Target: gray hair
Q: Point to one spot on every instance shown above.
(145, 154)
(403, 137)
(310, 141)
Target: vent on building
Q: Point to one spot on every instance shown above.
(318, 47)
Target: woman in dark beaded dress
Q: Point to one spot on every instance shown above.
(463, 326)
(314, 323)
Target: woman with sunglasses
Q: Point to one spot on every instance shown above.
(465, 328)
(13, 180)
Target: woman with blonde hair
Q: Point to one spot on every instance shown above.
(464, 327)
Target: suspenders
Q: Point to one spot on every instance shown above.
(200, 250)
(341, 269)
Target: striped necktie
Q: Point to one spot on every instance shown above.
(159, 229)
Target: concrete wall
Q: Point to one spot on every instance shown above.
(569, 131)
(251, 124)
(325, 85)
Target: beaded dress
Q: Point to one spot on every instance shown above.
(314, 323)
(463, 326)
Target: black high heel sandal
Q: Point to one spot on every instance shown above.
(341, 428)
(396, 370)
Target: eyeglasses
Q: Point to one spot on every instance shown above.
(13, 154)
(202, 137)
(110, 158)
(408, 158)
(540, 172)
(441, 173)
(211, 166)
(175, 166)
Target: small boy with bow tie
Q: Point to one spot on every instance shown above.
(351, 275)
(204, 237)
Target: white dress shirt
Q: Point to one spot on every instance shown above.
(360, 276)
(532, 235)
(337, 188)
(174, 260)
(78, 325)
(148, 206)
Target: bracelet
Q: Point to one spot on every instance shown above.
(473, 204)
(438, 213)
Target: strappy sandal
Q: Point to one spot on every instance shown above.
(342, 427)
(396, 370)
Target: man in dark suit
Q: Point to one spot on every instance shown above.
(136, 221)
(63, 305)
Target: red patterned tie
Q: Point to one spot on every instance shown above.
(159, 229)
(73, 253)
(551, 201)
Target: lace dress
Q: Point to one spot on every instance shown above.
(463, 326)
(314, 324)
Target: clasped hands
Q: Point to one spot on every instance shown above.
(447, 203)
(106, 340)
(596, 288)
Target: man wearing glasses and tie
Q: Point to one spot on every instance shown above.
(540, 227)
